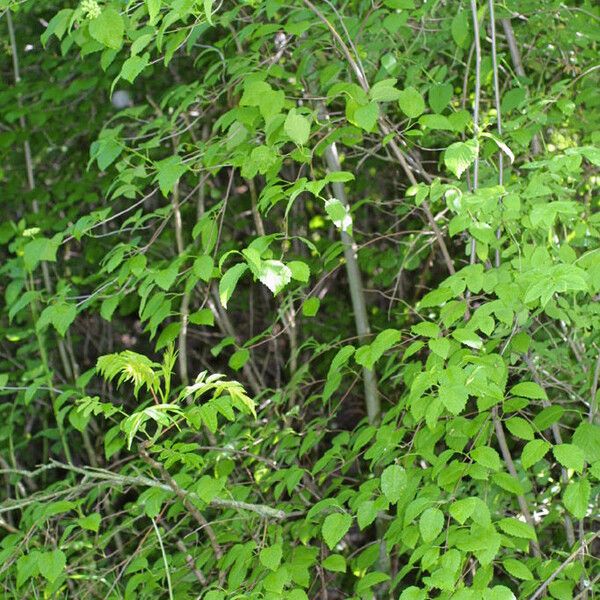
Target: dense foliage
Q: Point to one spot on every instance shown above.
(300, 299)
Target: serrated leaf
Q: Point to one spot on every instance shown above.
(297, 127)
(460, 156)
(229, 281)
(52, 564)
(576, 498)
(520, 428)
(335, 527)
(169, 171)
(60, 315)
(366, 514)
(90, 522)
(517, 569)
(569, 456)
(517, 528)
(487, 457)
(533, 452)
(274, 274)
(393, 482)
(529, 389)
(431, 524)
(40, 249)
(133, 66)
(335, 563)
(108, 28)
(203, 267)
(299, 270)
(270, 557)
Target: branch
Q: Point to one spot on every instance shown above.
(103, 475)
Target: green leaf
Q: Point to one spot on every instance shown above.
(204, 316)
(90, 522)
(28, 566)
(167, 335)
(520, 428)
(431, 524)
(339, 214)
(40, 249)
(517, 569)
(411, 102)
(270, 557)
(133, 66)
(169, 171)
(569, 456)
(487, 457)
(587, 437)
(370, 580)
(311, 306)
(60, 315)
(393, 482)
(508, 482)
(57, 25)
(460, 28)
(529, 389)
(439, 96)
(440, 346)
(108, 28)
(229, 281)
(335, 563)
(366, 116)
(208, 4)
(274, 274)
(517, 528)
(368, 355)
(460, 156)
(533, 452)
(297, 127)
(52, 564)
(436, 122)
(299, 270)
(576, 498)
(413, 593)
(384, 91)
(335, 527)
(366, 514)
(239, 359)
(203, 267)
(153, 7)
